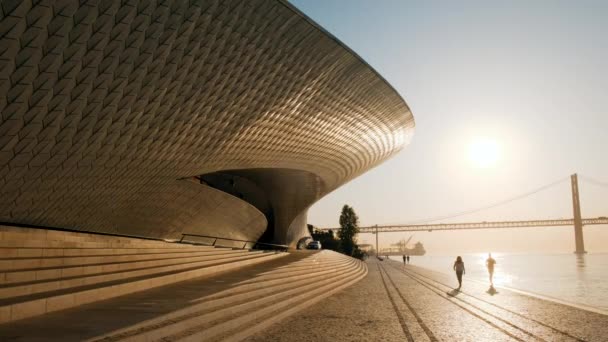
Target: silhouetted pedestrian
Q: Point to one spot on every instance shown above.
(490, 264)
(408, 259)
(459, 268)
(404, 260)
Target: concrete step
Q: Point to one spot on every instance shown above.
(235, 308)
(31, 243)
(35, 270)
(34, 252)
(223, 321)
(284, 273)
(290, 282)
(314, 261)
(10, 264)
(211, 321)
(16, 308)
(292, 275)
(245, 287)
(240, 328)
(16, 234)
(301, 268)
(45, 238)
(111, 272)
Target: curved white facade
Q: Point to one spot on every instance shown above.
(109, 111)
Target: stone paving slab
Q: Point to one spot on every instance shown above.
(408, 303)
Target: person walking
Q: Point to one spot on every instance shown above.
(404, 259)
(490, 262)
(408, 259)
(459, 268)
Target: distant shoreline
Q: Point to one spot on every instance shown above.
(511, 253)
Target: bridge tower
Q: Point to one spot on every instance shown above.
(578, 222)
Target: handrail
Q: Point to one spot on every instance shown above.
(68, 230)
(255, 243)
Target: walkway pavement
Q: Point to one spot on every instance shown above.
(392, 303)
(396, 303)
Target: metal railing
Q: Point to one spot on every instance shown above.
(254, 244)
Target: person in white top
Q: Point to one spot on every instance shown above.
(490, 264)
(459, 268)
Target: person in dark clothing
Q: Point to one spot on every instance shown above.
(408, 259)
(404, 260)
(459, 268)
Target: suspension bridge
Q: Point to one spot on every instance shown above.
(577, 221)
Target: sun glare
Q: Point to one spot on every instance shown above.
(484, 152)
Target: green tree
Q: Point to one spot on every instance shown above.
(349, 228)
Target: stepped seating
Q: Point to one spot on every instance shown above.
(43, 271)
(251, 305)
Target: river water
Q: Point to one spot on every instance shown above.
(565, 277)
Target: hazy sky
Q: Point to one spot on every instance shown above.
(530, 75)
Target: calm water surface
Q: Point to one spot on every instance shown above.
(567, 277)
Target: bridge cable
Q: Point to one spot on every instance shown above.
(593, 181)
(490, 206)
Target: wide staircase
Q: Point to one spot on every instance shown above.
(252, 304)
(43, 271)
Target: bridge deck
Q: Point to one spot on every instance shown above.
(477, 225)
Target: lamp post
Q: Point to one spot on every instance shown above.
(377, 250)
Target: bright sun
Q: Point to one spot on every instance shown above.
(484, 152)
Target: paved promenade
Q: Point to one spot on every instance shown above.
(396, 303)
(390, 303)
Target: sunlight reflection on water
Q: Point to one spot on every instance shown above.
(567, 277)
